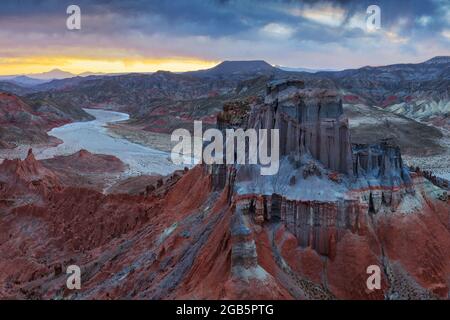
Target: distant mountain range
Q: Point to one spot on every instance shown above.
(437, 67)
(34, 79)
(52, 74)
(24, 81)
(226, 68)
(309, 70)
(391, 76)
(236, 70)
(163, 101)
(420, 91)
(243, 68)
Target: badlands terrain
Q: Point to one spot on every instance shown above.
(86, 179)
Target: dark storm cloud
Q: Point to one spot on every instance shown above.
(213, 29)
(217, 18)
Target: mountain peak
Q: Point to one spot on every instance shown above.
(52, 74)
(247, 62)
(243, 65)
(28, 169)
(438, 60)
(237, 68)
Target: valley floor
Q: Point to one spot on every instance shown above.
(438, 164)
(94, 137)
(156, 140)
(126, 135)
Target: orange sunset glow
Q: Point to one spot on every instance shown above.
(77, 65)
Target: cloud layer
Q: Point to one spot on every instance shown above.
(179, 34)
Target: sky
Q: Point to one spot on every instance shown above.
(180, 35)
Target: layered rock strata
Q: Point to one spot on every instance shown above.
(309, 121)
(225, 231)
(324, 186)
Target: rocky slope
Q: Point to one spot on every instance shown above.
(163, 101)
(26, 121)
(14, 88)
(370, 124)
(426, 110)
(419, 91)
(309, 232)
(84, 169)
(326, 222)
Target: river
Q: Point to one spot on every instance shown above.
(96, 138)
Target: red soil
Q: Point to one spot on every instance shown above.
(174, 241)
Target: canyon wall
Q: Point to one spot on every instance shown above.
(309, 121)
(315, 141)
(326, 191)
(225, 231)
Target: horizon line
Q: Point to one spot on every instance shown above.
(100, 73)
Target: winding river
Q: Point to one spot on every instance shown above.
(95, 137)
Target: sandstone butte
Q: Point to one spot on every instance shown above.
(224, 231)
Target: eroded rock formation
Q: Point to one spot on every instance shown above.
(327, 191)
(225, 231)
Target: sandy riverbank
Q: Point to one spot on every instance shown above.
(154, 140)
(95, 137)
